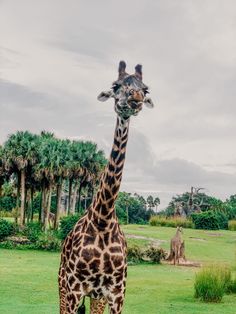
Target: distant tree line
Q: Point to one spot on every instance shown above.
(134, 208)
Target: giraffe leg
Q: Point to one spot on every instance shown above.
(116, 305)
(69, 298)
(72, 302)
(62, 290)
(97, 306)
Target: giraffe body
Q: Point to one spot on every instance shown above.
(177, 246)
(93, 260)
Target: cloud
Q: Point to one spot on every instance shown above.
(52, 69)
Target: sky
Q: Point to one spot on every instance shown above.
(56, 56)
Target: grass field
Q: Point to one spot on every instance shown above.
(28, 279)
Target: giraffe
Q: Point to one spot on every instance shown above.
(177, 247)
(93, 259)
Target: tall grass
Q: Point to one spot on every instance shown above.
(171, 222)
(212, 282)
(232, 225)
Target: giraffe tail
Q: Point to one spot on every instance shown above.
(81, 309)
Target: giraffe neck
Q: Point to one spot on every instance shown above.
(102, 209)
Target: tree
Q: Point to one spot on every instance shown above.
(131, 209)
(150, 202)
(156, 202)
(20, 154)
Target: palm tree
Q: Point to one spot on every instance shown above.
(156, 202)
(20, 152)
(150, 201)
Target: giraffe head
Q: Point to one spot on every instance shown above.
(129, 92)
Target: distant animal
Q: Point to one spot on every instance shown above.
(176, 247)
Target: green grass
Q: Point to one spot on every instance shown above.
(28, 279)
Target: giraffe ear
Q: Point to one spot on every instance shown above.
(103, 96)
(148, 102)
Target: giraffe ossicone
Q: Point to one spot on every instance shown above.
(93, 259)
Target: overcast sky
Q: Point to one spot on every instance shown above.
(56, 56)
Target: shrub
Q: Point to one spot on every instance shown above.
(155, 254)
(32, 231)
(232, 225)
(6, 228)
(135, 254)
(4, 213)
(231, 288)
(48, 242)
(210, 220)
(171, 222)
(211, 283)
(66, 224)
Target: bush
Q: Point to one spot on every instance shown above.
(32, 231)
(48, 242)
(135, 254)
(6, 228)
(4, 213)
(7, 203)
(211, 283)
(210, 220)
(171, 222)
(66, 225)
(155, 254)
(231, 288)
(232, 225)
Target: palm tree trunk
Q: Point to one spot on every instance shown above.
(22, 208)
(26, 212)
(70, 191)
(59, 190)
(127, 217)
(18, 196)
(46, 221)
(79, 195)
(74, 198)
(32, 204)
(43, 203)
(40, 204)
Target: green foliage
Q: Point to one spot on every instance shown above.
(6, 228)
(32, 231)
(48, 242)
(155, 254)
(4, 213)
(7, 203)
(171, 222)
(67, 224)
(132, 209)
(210, 220)
(135, 254)
(211, 283)
(231, 287)
(232, 225)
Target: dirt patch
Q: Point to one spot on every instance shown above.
(185, 263)
(198, 239)
(154, 241)
(214, 234)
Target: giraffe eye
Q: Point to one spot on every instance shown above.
(116, 87)
(131, 91)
